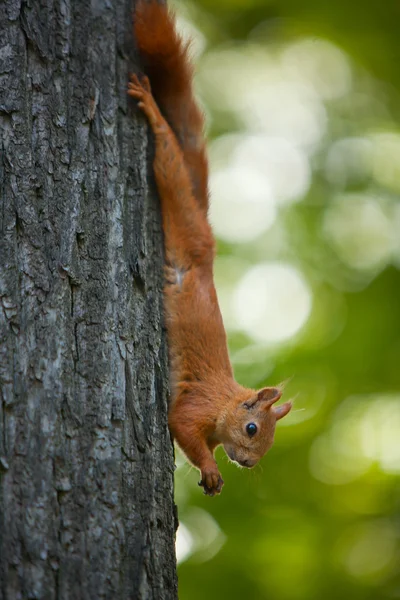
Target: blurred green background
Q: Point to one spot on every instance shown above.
(303, 110)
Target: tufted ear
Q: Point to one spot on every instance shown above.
(282, 410)
(267, 395)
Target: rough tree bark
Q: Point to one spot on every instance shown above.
(86, 461)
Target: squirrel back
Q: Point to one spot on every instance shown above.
(166, 61)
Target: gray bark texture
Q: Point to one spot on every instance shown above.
(86, 460)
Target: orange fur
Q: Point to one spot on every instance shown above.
(208, 407)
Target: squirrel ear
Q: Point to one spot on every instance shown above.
(267, 395)
(282, 410)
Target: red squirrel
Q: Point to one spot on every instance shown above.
(207, 407)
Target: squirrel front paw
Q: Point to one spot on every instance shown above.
(211, 481)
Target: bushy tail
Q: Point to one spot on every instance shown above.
(167, 64)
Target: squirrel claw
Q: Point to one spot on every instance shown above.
(212, 483)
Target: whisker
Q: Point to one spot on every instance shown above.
(189, 469)
(257, 472)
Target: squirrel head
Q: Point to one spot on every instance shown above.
(248, 430)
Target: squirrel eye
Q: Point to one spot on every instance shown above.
(251, 429)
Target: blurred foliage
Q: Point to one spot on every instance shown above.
(320, 516)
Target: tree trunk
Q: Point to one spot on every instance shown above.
(86, 461)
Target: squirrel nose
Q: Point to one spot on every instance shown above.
(244, 463)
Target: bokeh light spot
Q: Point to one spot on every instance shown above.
(386, 158)
(242, 206)
(285, 109)
(284, 165)
(369, 551)
(321, 63)
(360, 231)
(365, 431)
(184, 543)
(272, 302)
(349, 162)
(199, 535)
